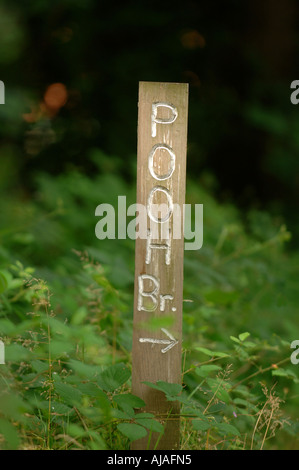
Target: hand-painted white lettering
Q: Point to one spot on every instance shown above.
(152, 295)
(156, 120)
(159, 246)
(169, 342)
(163, 190)
(151, 162)
(163, 299)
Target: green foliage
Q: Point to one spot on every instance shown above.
(66, 322)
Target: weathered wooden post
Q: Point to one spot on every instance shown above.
(2, 92)
(2, 352)
(161, 174)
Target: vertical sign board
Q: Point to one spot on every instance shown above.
(161, 174)
(2, 92)
(2, 353)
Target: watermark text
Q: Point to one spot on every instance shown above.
(151, 222)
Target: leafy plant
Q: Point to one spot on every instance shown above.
(66, 321)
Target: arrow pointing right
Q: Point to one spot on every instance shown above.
(168, 342)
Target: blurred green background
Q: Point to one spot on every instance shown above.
(68, 143)
(238, 57)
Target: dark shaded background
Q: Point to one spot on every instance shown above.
(238, 57)
(68, 142)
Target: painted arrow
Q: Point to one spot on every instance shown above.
(169, 342)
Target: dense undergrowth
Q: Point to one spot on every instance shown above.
(66, 302)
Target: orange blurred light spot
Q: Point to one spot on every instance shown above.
(55, 96)
(193, 40)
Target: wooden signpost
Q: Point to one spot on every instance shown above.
(161, 172)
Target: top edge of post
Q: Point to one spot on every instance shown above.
(143, 82)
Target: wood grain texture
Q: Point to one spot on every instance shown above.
(149, 363)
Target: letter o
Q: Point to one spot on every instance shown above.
(151, 162)
(159, 220)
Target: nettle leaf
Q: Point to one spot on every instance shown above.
(60, 408)
(240, 403)
(40, 366)
(210, 353)
(32, 380)
(57, 326)
(171, 390)
(132, 431)
(61, 348)
(201, 425)
(227, 429)
(75, 430)
(84, 370)
(236, 340)
(119, 414)
(17, 353)
(195, 412)
(113, 377)
(68, 393)
(284, 373)
(128, 411)
(243, 392)
(204, 371)
(217, 408)
(244, 336)
(151, 424)
(145, 415)
(91, 389)
(218, 386)
(128, 400)
(184, 399)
